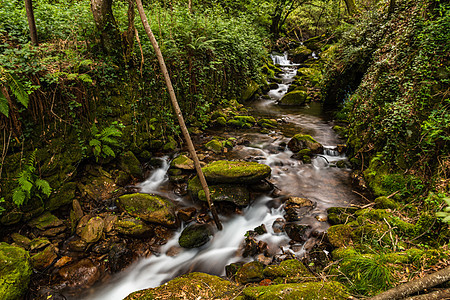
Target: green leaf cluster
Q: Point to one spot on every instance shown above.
(445, 214)
(103, 141)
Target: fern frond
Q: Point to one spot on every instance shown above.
(110, 131)
(108, 151)
(94, 142)
(27, 186)
(18, 90)
(44, 186)
(110, 141)
(4, 105)
(19, 197)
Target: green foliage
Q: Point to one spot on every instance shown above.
(103, 140)
(2, 209)
(29, 184)
(445, 214)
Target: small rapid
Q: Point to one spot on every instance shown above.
(321, 181)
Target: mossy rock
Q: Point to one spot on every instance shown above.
(195, 236)
(373, 214)
(268, 123)
(224, 171)
(300, 54)
(250, 272)
(341, 215)
(237, 194)
(242, 122)
(245, 119)
(294, 98)
(182, 162)
(148, 207)
(217, 114)
(287, 268)
(20, 240)
(171, 145)
(194, 186)
(340, 235)
(249, 91)
(313, 43)
(63, 196)
(344, 252)
(303, 141)
(215, 146)
(45, 221)
(310, 74)
(93, 230)
(220, 122)
(44, 259)
(385, 203)
(196, 285)
(130, 164)
(15, 272)
(133, 227)
(295, 291)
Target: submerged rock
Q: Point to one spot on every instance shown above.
(195, 236)
(15, 271)
(150, 208)
(304, 141)
(237, 194)
(223, 171)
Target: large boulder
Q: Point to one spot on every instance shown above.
(148, 207)
(300, 54)
(15, 271)
(294, 291)
(304, 141)
(294, 98)
(249, 91)
(237, 194)
(242, 172)
(195, 236)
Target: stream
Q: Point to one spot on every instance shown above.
(321, 181)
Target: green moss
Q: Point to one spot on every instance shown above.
(195, 236)
(182, 162)
(249, 91)
(44, 221)
(132, 227)
(373, 214)
(221, 121)
(194, 186)
(195, 285)
(295, 291)
(340, 235)
(223, 171)
(130, 164)
(15, 272)
(214, 146)
(62, 196)
(344, 252)
(287, 268)
(303, 141)
(294, 98)
(250, 272)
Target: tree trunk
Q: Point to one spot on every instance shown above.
(129, 34)
(401, 291)
(351, 7)
(190, 6)
(177, 109)
(107, 26)
(31, 22)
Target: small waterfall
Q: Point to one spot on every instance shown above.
(281, 59)
(158, 177)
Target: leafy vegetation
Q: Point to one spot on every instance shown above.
(103, 140)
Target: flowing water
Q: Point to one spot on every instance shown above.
(319, 181)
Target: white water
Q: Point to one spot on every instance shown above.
(318, 181)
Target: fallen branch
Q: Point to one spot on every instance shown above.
(429, 281)
(436, 295)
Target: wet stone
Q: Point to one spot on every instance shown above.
(187, 214)
(45, 258)
(39, 243)
(297, 232)
(278, 226)
(80, 274)
(195, 236)
(296, 208)
(119, 257)
(250, 272)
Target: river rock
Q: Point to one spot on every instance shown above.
(296, 208)
(186, 214)
(297, 232)
(15, 271)
(80, 274)
(304, 141)
(305, 290)
(45, 221)
(214, 146)
(268, 123)
(119, 257)
(240, 172)
(45, 258)
(20, 240)
(294, 98)
(93, 230)
(195, 236)
(278, 226)
(237, 194)
(250, 272)
(133, 227)
(182, 162)
(99, 188)
(148, 207)
(39, 243)
(300, 54)
(287, 268)
(130, 164)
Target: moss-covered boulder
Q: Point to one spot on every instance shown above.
(130, 164)
(182, 162)
(45, 221)
(15, 272)
(340, 235)
(242, 122)
(268, 123)
(190, 286)
(300, 54)
(249, 91)
(237, 194)
(195, 236)
(242, 172)
(303, 141)
(171, 145)
(194, 187)
(214, 146)
(294, 291)
(294, 98)
(287, 268)
(386, 203)
(63, 196)
(250, 272)
(150, 208)
(313, 76)
(133, 227)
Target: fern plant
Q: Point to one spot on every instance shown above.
(103, 141)
(29, 184)
(445, 214)
(12, 81)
